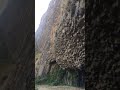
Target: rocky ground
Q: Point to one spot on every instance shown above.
(44, 87)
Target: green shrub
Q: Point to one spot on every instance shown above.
(59, 77)
(54, 78)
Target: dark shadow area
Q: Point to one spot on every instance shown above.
(102, 62)
(17, 46)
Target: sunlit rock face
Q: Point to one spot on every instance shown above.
(60, 40)
(70, 36)
(60, 36)
(45, 35)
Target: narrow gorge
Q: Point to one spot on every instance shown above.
(60, 44)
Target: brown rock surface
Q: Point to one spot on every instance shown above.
(60, 39)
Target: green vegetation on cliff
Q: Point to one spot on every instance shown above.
(59, 76)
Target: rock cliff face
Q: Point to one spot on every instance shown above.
(17, 46)
(60, 39)
(70, 36)
(45, 35)
(102, 43)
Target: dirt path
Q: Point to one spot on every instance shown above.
(45, 87)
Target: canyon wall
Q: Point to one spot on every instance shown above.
(60, 39)
(102, 32)
(17, 46)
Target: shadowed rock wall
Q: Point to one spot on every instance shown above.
(102, 42)
(17, 34)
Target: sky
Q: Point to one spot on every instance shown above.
(40, 8)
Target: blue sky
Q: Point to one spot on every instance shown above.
(40, 8)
